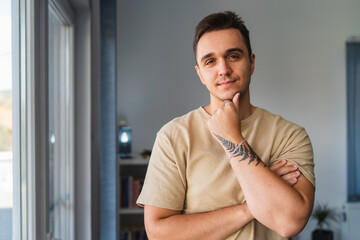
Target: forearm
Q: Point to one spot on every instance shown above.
(272, 201)
(217, 224)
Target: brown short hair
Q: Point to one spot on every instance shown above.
(221, 21)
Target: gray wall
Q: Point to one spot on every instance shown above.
(83, 158)
(82, 125)
(299, 71)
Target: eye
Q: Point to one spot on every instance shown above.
(209, 61)
(234, 57)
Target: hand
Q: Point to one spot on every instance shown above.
(225, 121)
(289, 174)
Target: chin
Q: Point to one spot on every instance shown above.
(229, 95)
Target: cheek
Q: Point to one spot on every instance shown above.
(246, 71)
(208, 76)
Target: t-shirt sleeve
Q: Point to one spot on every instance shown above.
(164, 184)
(298, 150)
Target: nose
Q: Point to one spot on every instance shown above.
(224, 69)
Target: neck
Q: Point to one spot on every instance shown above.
(246, 108)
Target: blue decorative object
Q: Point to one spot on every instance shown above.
(125, 142)
(353, 119)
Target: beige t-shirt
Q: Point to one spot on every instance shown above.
(189, 170)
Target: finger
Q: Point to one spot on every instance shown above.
(278, 165)
(292, 181)
(289, 178)
(235, 100)
(286, 170)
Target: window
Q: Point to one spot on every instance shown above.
(36, 121)
(353, 118)
(6, 155)
(61, 121)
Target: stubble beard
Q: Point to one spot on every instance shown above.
(230, 96)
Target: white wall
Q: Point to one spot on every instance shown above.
(299, 73)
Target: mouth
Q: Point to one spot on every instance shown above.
(226, 83)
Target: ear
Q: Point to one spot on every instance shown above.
(252, 62)
(199, 73)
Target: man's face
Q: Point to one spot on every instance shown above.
(223, 62)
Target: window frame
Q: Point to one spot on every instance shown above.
(16, 70)
(36, 123)
(30, 119)
(65, 14)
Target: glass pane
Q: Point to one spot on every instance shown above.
(6, 161)
(60, 135)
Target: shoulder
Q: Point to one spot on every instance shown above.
(275, 118)
(290, 141)
(284, 134)
(183, 124)
(277, 122)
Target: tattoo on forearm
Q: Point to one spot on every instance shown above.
(230, 146)
(245, 152)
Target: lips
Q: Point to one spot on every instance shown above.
(226, 83)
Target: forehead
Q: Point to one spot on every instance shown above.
(219, 41)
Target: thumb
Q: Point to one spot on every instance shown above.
(235, 100)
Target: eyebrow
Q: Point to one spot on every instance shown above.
(206, 56)
(235, 50)
(230, 50)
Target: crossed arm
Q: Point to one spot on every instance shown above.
(282, 208)
(280, 197)
(272, 202)
(167, 224)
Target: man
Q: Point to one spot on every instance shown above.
(209, 175)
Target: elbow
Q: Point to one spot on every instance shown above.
(150, 228)
(288, 233)
(292, 228)
(158, 222)
(294, 222)
(154, 230)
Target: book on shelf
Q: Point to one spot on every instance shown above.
(130, 190)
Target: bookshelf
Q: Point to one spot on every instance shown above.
(131, 174)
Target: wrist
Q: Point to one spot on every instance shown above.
(236, 150)
(237, 139)
(245, 213)
(231, 143)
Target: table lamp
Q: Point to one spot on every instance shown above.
(125, 142)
